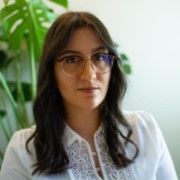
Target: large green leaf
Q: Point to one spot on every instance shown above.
(25, 18)
(61, 2)
(16, 38)
(4, 35)
(7, 10)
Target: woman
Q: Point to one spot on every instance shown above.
(81, 133)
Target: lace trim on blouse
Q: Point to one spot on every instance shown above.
(82, 167)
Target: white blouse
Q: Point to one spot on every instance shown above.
(153, 162)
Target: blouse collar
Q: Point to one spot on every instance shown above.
(70, 136)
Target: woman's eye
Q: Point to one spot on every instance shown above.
(71, 59)
(101, 57)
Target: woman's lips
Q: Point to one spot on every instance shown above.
(88, 90)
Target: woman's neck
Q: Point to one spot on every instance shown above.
(84, 122)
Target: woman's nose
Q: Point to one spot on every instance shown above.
(88, 72)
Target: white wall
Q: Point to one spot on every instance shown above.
(149, 32)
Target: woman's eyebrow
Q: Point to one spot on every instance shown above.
(99, 48)
(64, 52)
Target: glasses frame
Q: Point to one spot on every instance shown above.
(86, 59)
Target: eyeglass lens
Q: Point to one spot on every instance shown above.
(73, 65)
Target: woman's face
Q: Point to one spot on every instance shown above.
(88, 89)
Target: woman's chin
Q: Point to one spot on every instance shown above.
(89, 105)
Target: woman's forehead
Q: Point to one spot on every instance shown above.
(84, 39)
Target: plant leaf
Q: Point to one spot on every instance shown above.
(11, 21)
(17, 35)
(124, 57)
(25, 18)
(4, 31)
(6, 133)
(2, 113)
(3, 58)
(127, 68)
(63, 3)
(26, 89)
(8, 10)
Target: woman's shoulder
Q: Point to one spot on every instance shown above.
(22, 135)
(152, 147)
(140, 119)
(144, 125)
(17, 153)
(18, 140)
(146, 130)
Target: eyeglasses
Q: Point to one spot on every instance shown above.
(73, 65)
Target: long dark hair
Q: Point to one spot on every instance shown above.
(48, 108)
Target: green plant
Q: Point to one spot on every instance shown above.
(125, 63)
(22, 30)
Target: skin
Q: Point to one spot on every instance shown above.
(83, 106)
